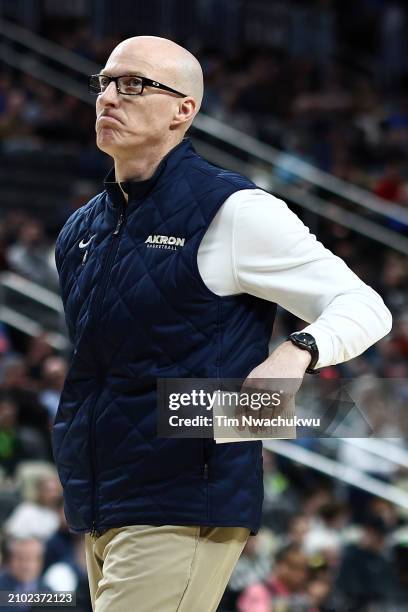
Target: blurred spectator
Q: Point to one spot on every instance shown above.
(252, 567)
(393, 42)
(60, 547)
(53, 375)
(30, 256)
(365, 575)
(16, 133)
(280, 497)
(22, 562)
(325, 533)
(17, 443)
(12, 223)
(38, 351)
(286, 586)
(71, 574)
(37, 518)
(289, 576)
(399, 590)
(390, 185)
(394, 281)
(23, 390)
(4, 342)
(399, 341)
(298, 528)
(386, 510)
(255, 598)
(3, 248)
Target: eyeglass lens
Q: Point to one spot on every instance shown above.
(126, 84)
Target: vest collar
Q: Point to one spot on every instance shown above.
(138, 190)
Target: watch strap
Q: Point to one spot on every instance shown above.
(306, 341)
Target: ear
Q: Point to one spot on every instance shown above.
(185, 112)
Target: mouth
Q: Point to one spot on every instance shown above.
(108, 120)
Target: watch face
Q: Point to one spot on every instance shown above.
(304, 337)
(307, 341)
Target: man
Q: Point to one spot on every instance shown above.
(357, 584)
(286, 585)
(151, 291)
(21, 572)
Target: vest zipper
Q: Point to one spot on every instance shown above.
(95, 533)
(119, 223)
(94, 530)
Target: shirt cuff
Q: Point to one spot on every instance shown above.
(324, 344)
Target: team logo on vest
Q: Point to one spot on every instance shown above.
(165, 242)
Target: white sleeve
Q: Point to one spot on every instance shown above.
(275, 257)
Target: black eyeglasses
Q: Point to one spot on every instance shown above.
(128, 85)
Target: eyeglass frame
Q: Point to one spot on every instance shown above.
(145, 82)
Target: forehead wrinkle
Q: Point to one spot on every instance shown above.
(125, 64)
(124, 72)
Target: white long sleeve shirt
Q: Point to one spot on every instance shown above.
(255, 244)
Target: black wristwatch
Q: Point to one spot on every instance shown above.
(306, 341)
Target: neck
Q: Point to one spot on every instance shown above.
(142, 165)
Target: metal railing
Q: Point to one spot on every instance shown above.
(302, 169)
(32, 66)
(33, 310)
(379, 447)
(338, 470)
(207, 126)
(310, 201)
(47, 48)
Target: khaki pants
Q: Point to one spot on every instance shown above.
(167, 568)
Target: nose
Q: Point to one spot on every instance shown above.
(110, 96)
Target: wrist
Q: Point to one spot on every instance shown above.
(306, 343)
(301, 356)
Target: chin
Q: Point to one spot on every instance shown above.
(106, 145)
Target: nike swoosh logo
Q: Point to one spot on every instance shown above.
(83, 244)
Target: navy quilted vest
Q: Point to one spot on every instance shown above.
(136, 310)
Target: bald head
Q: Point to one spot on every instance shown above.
(165, 61)
(139, 129)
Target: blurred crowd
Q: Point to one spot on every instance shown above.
(324, 546)
(326, 85)
(317, 552)
(38, 553)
